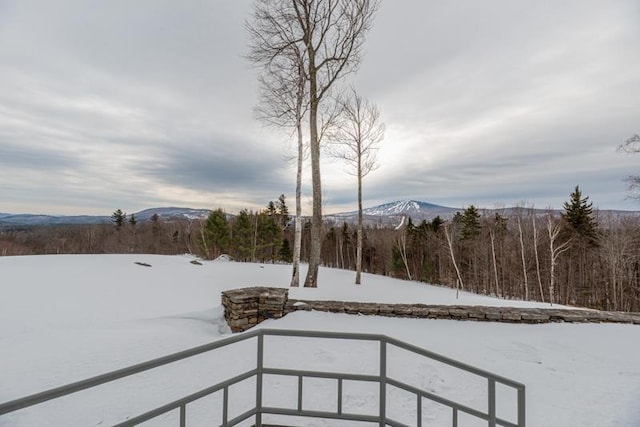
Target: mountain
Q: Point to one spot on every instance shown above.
(27, 220)
(393, 214)
(31, 220)
(172, 213)
(415, 209)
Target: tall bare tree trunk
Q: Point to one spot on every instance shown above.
(495, 264)
(297, 237)
(553, 230)
(524, 262)
(535, 251)
(453, 258)
(311, 281)
(359, 243)
(402, 244)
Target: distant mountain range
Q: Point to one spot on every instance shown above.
(386, 215)
(395, 213)
(11, 220)
(392, 214)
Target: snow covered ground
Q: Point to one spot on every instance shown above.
(65, 318)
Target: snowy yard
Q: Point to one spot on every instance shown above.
(66, 318)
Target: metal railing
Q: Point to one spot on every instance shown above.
(382, 378)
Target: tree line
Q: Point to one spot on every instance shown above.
(575, 257)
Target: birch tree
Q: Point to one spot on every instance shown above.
(356, 140)
(283, 103)
(449, 235)
(535, 252)
(555, 250)
(522, 253)
(329, 34)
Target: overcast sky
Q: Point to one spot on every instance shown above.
(147, 103)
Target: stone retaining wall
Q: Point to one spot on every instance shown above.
(244, 308)
(462, 312)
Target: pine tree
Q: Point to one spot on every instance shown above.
(271, 209)
(118, 218)
(470, 221)
(578, 215)
(132, 220)
(269, 235)
(436, 223)
(216, 231)
(285, 251)
(243, 236)
(282, 211)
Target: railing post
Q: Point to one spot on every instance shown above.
(299, 393)
(183, 415)
(339, 396)
(521, 407)
(259, 368)
(383, 382)
(492, 402)
(225, 405)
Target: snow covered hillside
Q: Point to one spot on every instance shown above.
(68, 317)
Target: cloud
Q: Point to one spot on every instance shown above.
(129, 104)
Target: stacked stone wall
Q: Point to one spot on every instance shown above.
(245, 308)
(463, 312)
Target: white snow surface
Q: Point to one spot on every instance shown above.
(69, 317)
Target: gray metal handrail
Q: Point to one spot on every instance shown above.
(382, 378)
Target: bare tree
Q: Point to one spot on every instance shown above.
(283, 102)
(616, 250)
(356, 140)
(535, 251)
(522, 254)
(632, 146)
(448, 234)
(555, 250)
(330, 35)
(401, 244)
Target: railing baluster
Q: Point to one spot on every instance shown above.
(492, 402)
(225, 405)
(455, 418)
(521, 407)
(260, 366)
(419, 411)
(183, 415)
(299, 392)
(340, 396)
(383, 382)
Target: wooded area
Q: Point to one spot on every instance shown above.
(576, 257)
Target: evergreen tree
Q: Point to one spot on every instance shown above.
(269, 236)
(283, 211)
(216, 231)
(285, 251)
(243, 236)
(436, 223)
(470, 221)
(271, 209)
(578, 215)
(118, 218)
(132, 220)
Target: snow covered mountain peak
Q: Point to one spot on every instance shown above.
(404, 207)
